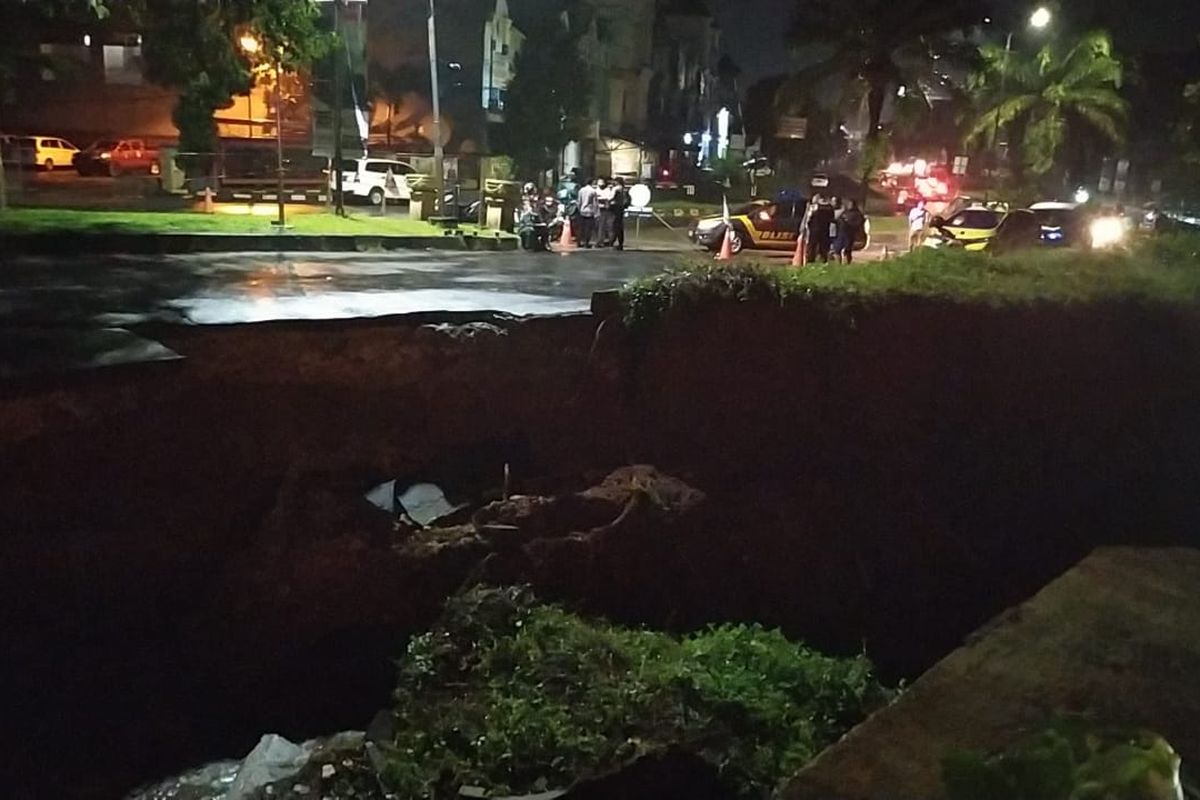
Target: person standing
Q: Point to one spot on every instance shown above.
(616, 207)
(850, 227)
(918, 221)
(589, 209)
(604, 194)
(819, 223)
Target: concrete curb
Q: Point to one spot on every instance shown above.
(181, 243)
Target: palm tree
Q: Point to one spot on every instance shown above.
(876, 46)
(1051, 96)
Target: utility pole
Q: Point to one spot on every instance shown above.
(439, 155)
(339, 204)
(282, 223)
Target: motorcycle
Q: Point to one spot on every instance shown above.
(534, 223)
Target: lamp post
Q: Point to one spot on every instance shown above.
(252, 47)
(439, 174)
(1039, 20)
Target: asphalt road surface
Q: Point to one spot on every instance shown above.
(233, 288)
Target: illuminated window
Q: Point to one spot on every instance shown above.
(123, 64)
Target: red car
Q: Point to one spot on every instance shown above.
(118, 157)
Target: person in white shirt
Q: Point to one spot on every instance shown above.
(589, 209)
(918, 220)
(604, 196)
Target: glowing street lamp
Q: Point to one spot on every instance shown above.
(1040, 18)
(250, 44)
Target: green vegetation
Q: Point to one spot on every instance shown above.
(48, 220)
(1071, 759)
(1046, 94)
(1164, 269)
(550, 96)
(515, 696)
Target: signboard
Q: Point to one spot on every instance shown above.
(639, 196)
(792, 127)
(960, 165)
(1122, 176)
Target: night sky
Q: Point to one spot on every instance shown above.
(753, 30)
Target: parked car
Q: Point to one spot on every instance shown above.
(118, 157)
(971, 228)
(762, 225)
(1018, 230)
(48, 152)
(17, 151)
(1063, 224)
(366, 178)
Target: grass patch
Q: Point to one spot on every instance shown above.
(54, 220)
(889, 225)
(1165, 269)
(514, 696)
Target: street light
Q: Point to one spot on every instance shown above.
(1040, 18)
(251, 46)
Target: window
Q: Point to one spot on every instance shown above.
(383, 166)
(975, 218)
(62, 61)
(123, 64)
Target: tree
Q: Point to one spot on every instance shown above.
(1051, 96)
(1187, 132)
(875, 46)
(548, 97)
(194, 47)
(15, 49)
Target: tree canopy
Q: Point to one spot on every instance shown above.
(875, 46)
(1050, 95)
(194, 47)
(548, 98)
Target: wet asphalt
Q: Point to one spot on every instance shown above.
(253, 287)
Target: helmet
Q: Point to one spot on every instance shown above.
(529, 188)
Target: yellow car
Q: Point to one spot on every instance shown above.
(970, 227)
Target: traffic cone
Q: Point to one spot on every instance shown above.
(726, 253)
(798, 256)
(567, 240)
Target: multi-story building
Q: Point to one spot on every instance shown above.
(90, 82)
(501, 43)
(477, 44)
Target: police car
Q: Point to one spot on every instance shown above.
(761, 225)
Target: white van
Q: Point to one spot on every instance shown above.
(365, 178)
(49, 152)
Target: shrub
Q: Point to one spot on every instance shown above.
(515, 696)
(1164, 268)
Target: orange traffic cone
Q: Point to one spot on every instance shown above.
(726, 253)
(567, 240)
(798, 257)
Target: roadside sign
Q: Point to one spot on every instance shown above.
(792, 127)
(639, 196)
(390, 184)
(960, 165)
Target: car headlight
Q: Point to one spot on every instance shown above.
(1107, 232)
(706, 225)
(106, 156)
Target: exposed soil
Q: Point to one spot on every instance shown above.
(187, 561)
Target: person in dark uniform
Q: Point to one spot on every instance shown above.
(617, 206)
(819, 224)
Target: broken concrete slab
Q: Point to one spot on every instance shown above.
(32, 351)
(1117, 636)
